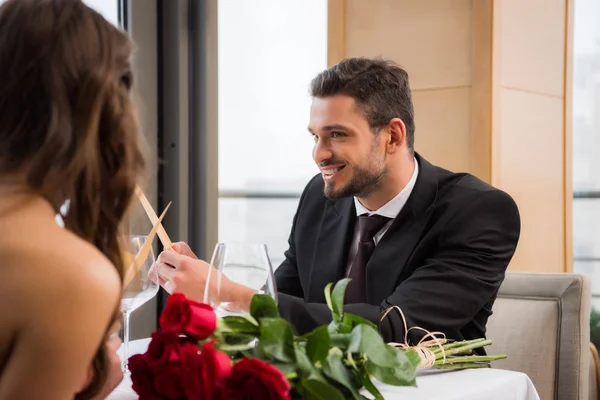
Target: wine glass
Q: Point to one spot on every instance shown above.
(242, 263)
(142, 288)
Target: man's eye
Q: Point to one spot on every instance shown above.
(337, 134)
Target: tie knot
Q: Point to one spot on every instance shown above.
(368, 226)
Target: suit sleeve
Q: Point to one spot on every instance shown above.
(286, 276)
(452, 285)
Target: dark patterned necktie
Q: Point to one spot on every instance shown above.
(368, 226)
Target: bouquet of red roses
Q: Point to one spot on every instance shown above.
(196, 356)
(182, 362)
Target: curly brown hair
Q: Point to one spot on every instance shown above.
(67, 122)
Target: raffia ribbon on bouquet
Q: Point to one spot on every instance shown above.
(427, 342)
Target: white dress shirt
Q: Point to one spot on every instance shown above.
(391, 209)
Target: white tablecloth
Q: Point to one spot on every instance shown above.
(471, 384)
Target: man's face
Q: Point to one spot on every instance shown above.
(350, 156)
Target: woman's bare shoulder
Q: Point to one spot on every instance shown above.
(63, 295)
(65, 253)
(50, 261)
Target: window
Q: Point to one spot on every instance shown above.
(586, 142)
(109, 9)
(269, 50)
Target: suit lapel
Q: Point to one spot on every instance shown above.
(393, 251)
(332, 246)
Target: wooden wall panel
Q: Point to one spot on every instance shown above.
(491, 88)
(481, 90)
(336, 31)
(442, 120)
(430, 38)
(528, 164)
(532, 44)
(529, 126)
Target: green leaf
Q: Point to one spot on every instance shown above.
(241, 324)
(277, 339)
(256, 352)
(285, 368)
(263, 306)
(308, 369)
(340, 340)
(339, 327)
(393, 376)
(233, 348)
(318, 344)
(337, 298)
(413, 357)
(328, 296)
(348, 322)
(335, 369)
(352, 321)
(334, 327)
(317, 390)
(366, 381)
(366, 340)
(236, 338)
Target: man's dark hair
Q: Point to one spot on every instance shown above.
(379, 87)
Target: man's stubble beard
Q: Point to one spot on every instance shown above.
(364, 182)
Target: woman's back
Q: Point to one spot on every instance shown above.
(58, 292)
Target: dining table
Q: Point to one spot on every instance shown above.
(466, 384)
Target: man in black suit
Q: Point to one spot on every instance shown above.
(434, 243)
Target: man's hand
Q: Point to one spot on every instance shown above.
(183, 274)
(183, 249)
(180, 248)
(180, 271)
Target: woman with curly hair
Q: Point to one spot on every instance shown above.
(67, 132)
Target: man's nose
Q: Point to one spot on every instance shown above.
(321, 151)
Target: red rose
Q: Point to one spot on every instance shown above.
(203, 371)
(167, 347)
(252, 378)
(161, 370)
(188, 317)
(142, 378)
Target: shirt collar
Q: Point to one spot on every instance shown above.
(393, 207)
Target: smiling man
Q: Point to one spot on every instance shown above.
(409, 234)
(434, 243)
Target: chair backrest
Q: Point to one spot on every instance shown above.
(594, 373)
(542, 322)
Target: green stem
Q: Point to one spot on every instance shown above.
(350, 361)
(461, 366)
(463, 343)
(455, 345)
(465, 348)
(469, 359)
(366, 381)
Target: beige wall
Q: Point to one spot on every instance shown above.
(490, 94)
(531, 146)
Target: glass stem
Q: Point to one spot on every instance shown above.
(125, 359)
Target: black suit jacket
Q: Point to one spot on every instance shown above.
(441, 261)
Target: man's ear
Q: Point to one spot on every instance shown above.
(397, 135)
